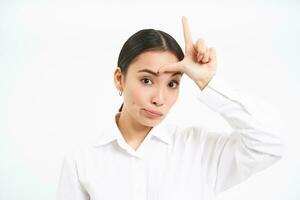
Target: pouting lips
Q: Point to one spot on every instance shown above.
(153, 113)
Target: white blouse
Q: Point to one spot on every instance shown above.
(172, 162)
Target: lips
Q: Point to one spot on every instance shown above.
(154, 112)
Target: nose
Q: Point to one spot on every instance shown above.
(158, 97)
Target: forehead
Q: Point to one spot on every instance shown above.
(152, 60)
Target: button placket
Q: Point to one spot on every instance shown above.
(139, 189)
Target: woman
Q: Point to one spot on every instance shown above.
(140, 157)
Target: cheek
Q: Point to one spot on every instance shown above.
(138, 96)
(173, 98)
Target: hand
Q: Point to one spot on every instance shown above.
(199, 61)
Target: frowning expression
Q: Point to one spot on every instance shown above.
(148, 96)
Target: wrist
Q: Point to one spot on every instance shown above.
(202, 84)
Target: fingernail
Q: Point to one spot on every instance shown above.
(200, 58)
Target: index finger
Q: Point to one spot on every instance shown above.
(187, 33)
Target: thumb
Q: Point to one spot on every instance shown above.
(178, 66)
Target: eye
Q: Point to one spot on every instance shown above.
(146, 80)
(172, 83)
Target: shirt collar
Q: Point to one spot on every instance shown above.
(111, 132)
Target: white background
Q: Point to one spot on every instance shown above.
(56, 81)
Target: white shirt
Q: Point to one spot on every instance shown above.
(172, 162)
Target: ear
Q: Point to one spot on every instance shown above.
(118, 78)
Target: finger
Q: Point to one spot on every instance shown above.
(200, 55)
(171, 67)
(200, 46)
(187, 33)
(206, 56)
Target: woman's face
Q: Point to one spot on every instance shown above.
(146, 91)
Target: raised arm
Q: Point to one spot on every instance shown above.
(250, 148)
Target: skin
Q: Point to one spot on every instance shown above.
(159, 91)
(144, 90)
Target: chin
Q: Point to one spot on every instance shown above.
(150, 122)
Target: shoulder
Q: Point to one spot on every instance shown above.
(187, 134)
(196, 135)
(79, 153)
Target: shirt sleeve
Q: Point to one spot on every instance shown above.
(249, 148)
(69, 186)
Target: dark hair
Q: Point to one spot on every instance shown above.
(146, 40)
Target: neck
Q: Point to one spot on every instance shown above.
(133, 132)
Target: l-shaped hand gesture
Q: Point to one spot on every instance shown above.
(199, 61)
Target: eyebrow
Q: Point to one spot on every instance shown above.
(155, 74)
